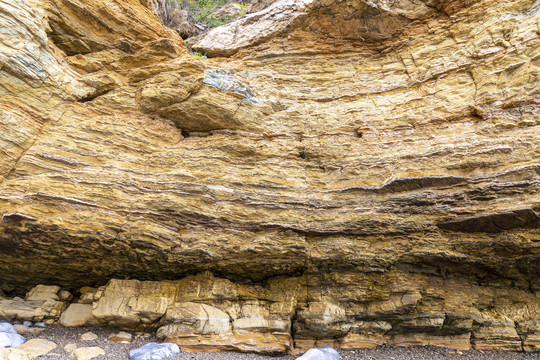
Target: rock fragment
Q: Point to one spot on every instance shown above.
(121, 337)
(70, 347)
(25, 330)
(88, 336)
(87, 353)
(13, 354)
(37, 347)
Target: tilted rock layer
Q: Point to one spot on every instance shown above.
(352, 173)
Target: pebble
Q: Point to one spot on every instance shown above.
(122, 337)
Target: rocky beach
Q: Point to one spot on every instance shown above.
(62, 337)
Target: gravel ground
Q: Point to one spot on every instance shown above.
(63, 336)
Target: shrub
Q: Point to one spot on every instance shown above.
(199, 11)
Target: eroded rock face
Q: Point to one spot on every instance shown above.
(293, 314)
(358, 173)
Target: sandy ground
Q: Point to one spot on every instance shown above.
(63, 336)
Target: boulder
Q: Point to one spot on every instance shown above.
(7, 327)
(180, 22)
(154, 351)
(9, 337)
(321, 353)
(78, 315)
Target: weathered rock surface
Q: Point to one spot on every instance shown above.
(356, 173)
(41, 303)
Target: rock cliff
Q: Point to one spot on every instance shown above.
(338, 172)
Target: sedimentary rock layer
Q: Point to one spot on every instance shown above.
(381, 160)
(350, 310)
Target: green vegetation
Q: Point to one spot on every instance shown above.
(200, 11)
(201, 55)
(243, 8)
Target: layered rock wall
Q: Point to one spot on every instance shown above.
(353, 173)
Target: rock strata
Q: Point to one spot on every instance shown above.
(343, 174)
